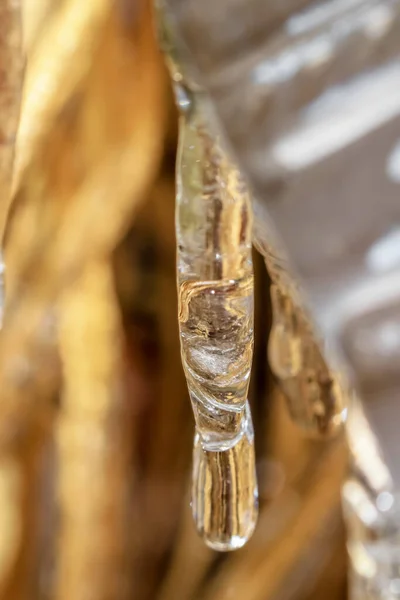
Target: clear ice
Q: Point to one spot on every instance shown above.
(215, 295)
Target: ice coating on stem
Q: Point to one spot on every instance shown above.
(215, 297)
(215, 291)
(316, 398)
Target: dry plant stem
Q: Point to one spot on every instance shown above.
(35, 20)
(20, 473)
(168, 447)
(72, 167)
(31, 344)
(190, 563)
(67, 237)
(316, 400)
(92, 442)
(60, 61)
(15, 470)
(58, 69)
(332, 581)
(10, 484)
(271, 568)
(11, 67)
(288, 452)
(169, 433)
(12, 520)
(315, 395)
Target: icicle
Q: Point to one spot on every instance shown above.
(285, 343)
(373, 526)
(215, 283)
(315, 395)
(370, 496)
(215, 295)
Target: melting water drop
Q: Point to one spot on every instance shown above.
(224, 492)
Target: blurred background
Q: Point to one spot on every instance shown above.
(96, 427)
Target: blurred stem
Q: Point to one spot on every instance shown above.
(92, 442)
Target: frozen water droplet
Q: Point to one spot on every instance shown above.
(224, 493)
